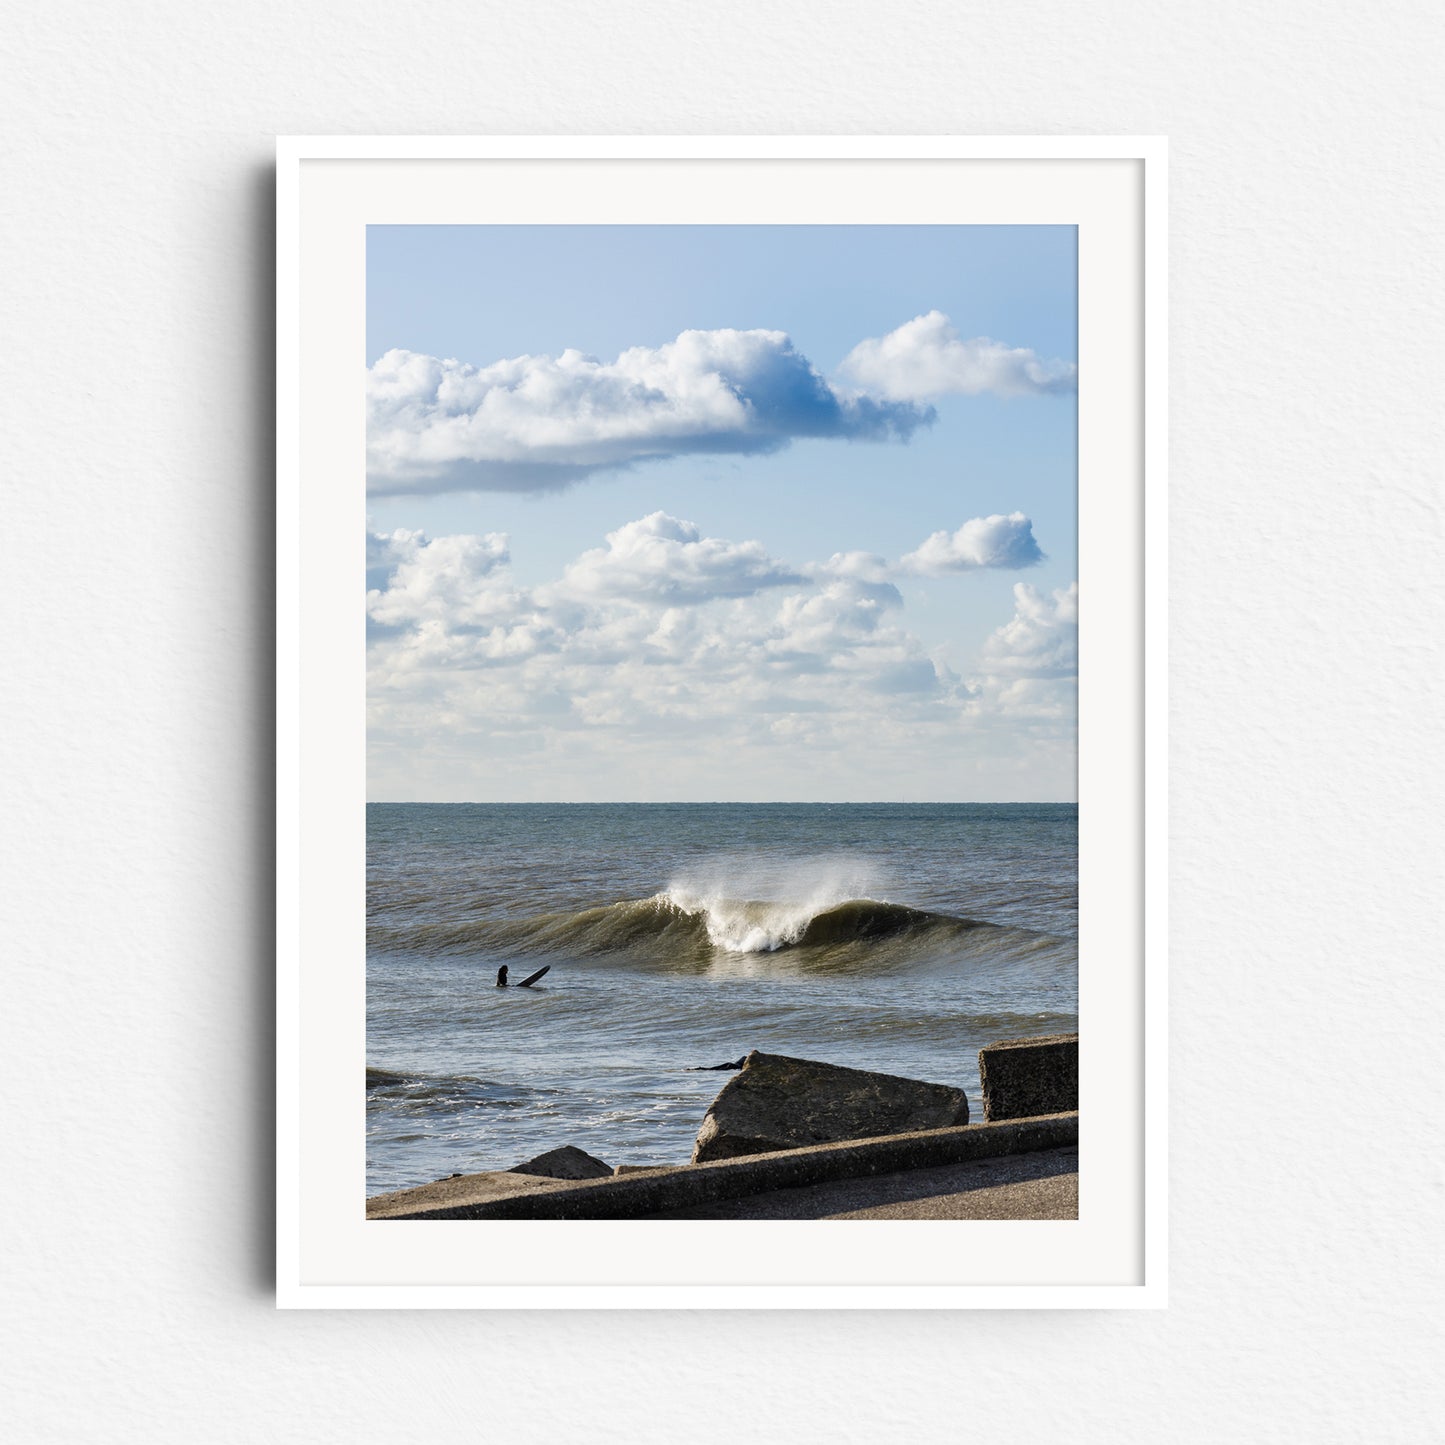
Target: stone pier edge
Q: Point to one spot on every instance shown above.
(630, 1196)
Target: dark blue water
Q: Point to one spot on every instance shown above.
(687, 934)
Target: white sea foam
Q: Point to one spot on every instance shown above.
(749, 907)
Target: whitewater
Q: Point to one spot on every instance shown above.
(898, 937)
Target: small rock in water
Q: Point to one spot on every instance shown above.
(781, 1103)
(568, 1162)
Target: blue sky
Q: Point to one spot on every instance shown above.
(955, 433)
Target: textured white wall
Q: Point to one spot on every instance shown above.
(136, 440)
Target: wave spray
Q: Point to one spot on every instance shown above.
(756, 906)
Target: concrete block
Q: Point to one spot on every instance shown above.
(782, 1103)
(1024, 1077)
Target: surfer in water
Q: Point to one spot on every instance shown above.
(527, 982)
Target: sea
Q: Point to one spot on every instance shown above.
(897, 937)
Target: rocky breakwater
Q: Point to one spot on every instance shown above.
(780, 1103)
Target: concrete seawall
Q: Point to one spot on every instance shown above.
(631, 1196)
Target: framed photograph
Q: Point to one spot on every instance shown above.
(721, 722)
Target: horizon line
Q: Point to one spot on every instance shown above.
(721, 802)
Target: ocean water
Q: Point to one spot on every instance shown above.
(890, 936)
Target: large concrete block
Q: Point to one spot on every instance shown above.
(1024, 1077)
(782, 1103)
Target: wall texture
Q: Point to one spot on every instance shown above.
(1307, 617)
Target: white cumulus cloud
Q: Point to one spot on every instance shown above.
(1030, 665)
(668, 654)
(536, 422)
(926, 357)
(1042, 637)
(459, 579)
(858, 566)
(996, 541)
(662, 558)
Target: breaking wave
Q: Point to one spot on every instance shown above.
(682, 926)
(750, 927)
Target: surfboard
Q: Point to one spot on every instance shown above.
(532, 978)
